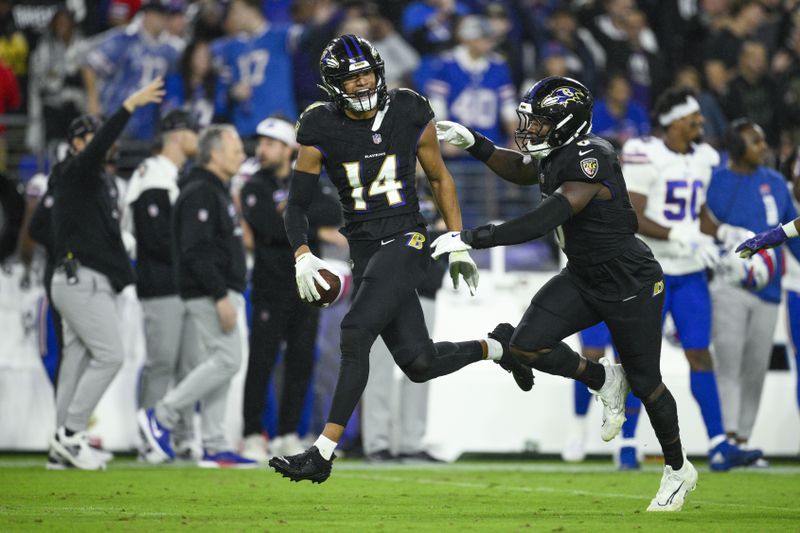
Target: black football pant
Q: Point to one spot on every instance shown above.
(561, 308)
(279, 317)
(386, 274)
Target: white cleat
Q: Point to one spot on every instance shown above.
(75, 450)
(675, 485)
(612, 394)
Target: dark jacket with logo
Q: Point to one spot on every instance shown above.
(207, 240)
(85, 216)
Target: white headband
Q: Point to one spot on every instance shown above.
(679, 111)
(277, 129)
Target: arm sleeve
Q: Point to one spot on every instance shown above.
(94, 154)
(549, 214)
(295, 218)
(151, 218)
(198, 214)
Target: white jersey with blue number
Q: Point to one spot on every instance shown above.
(675, 185)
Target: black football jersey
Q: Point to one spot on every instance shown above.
(373, 169)
(600, 240)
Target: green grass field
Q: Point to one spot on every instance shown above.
(472, 496)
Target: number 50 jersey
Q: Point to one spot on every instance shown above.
(675, 185)
(374, 171)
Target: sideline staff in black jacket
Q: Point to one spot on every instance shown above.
(278, 313)
(210, 266)
(91, 269)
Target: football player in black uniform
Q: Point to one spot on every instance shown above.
(369, 140)
(611, 275)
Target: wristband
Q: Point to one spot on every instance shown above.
(483, 148)
(480, 237)
(790, 229)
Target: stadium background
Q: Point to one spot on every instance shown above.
(645, 47)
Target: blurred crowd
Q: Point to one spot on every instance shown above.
(239, 61)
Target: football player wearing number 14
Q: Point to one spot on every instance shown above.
(369, 140)
(611, 275)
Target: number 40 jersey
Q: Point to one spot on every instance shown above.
(675, 185)
(373, 168)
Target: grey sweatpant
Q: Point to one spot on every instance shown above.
(395, 413)
(743, 331)
(92, 352)
(173, 349)
(209, 381)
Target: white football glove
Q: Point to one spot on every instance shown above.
(462, 264)
(307, 268)
(455, 134)
(691, 241)
(448, 243)
(731, 236)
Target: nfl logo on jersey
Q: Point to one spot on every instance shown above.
(376, 138)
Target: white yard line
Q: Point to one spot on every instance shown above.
(42, 512)
(542, 488)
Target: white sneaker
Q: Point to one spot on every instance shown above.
(612, 394)
(254, 447)
(76, 450)
(574, 450)
(675, 485)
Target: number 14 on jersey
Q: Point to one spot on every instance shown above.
(384, 183)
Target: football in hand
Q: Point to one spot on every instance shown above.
(327, 297)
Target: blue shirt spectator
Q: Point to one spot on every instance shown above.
(472, 85)
(430, 27)
(131, 56)
(616, 117)
(194, 85)
(255, 70)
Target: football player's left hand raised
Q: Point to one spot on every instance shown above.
(461, 264)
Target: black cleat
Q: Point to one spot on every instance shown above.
(308, 465)
(522, 374)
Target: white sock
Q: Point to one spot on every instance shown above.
(494, 350)
(325, 446)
